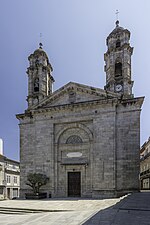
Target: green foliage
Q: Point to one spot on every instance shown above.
(36, 181)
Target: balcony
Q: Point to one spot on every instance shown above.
(146, 172)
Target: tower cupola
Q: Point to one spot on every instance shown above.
(40, 79)
(118, 62)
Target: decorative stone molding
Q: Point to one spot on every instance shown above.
(74, 125)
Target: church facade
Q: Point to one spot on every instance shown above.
(85, 139)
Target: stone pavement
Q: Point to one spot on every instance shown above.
(130, 210)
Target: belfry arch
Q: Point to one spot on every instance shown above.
(118, 69)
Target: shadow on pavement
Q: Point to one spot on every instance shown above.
(131, 210)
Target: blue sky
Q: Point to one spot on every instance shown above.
(74, 36)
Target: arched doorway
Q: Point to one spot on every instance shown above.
(73, 156)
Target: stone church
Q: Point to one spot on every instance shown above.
(85, 139)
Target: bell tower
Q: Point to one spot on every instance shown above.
(118, 62)
(40, 79)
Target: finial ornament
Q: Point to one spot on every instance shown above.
(40, 44)
(117, 23)
(117, 15)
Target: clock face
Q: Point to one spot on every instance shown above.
(118, 87)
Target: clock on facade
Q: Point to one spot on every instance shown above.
(118, 87)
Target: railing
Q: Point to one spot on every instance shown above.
(145, 172)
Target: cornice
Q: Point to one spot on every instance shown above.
(71, 106)
(30, 112)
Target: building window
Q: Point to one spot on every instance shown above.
(14, 167)
(118, 44)
(118, 69)
(36, 85)
(15, 180)
(74, 139)
(1, 191)
(1, 167)
(15, 192)
(8, 179)
(37, 62)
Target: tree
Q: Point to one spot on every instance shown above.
(36, 181)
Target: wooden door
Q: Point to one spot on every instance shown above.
(74, 184)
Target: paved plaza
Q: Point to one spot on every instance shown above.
(129, 210)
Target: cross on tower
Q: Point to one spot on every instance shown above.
(117, 12)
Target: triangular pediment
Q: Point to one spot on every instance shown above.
(74, 93)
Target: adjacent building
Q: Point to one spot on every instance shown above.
(85, 139)
(145, 165)
(9, 177)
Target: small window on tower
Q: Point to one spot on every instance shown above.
(118, 44)
(37, 62)
(118, 69)
(36, 85)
